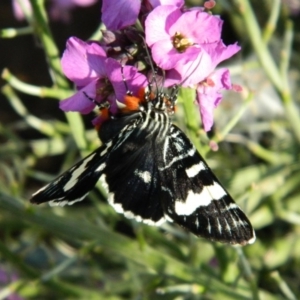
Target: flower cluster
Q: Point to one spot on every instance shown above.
(185, 46)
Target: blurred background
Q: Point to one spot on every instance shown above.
(88, 251)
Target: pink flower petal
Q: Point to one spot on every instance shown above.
(198, 26)
(96, 58)
(83, 2)
(117, 14)
(209, 96)
(79, 101)
(18, 12)
(220, 52)
(158, 22)
(191, 72)
(75, 64)
(164, 54)
(206, 109)
(178, 3)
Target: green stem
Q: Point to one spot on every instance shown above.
(9, 33)
(292, 113)
(40, 125)
(191, 116)
(259, 45)
(44, 33)
(53, 58)
(118, 245)
(272, 21)
(285, 61)
(248, 273)
(287, 292)
(221, 135)
(61, 287)
(41, 92)
(97, 35)
(278, 77)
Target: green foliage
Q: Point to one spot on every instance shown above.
(87, 251)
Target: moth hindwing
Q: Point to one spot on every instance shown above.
(153, 173)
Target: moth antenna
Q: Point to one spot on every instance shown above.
(154, 71)
(153, 79)
(102, 105)
(128, 92)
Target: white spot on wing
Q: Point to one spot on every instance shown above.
(104, 151)
(131, 215)
(215, 191)
(208, 226)
(195, 169)
(77, 172)
(190, 204)
(219, 226)
(146, 176)
(40, 190)
(108, 145)
(152, 223)
(195, 200)
(178, 146)
(228, 226)
(101, 167)
(252, 240)
(168, 218)
(60, 202)
(234, 222)
(119, 208)
(165, 149)
(232, 206)
(103, 182)
(197, 223)
(190, 152)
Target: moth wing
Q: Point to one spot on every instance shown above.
(197, 200)
(132, 179)
(74, 184)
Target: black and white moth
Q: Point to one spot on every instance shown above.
(153, 173)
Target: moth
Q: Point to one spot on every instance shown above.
(153, 173)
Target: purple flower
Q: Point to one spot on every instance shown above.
(59, 9)
(293, 7)
(18, 12)
(96, 77)
(192, 72)
(188, 45)
(155, 3)
(175, 36)
(118, 14)
(5, 279)
(209, 96)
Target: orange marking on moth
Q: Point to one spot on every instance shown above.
(141, 94)
(104, 116)
(152, 96)
(133, 102)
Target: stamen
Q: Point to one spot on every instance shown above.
(181, 43)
